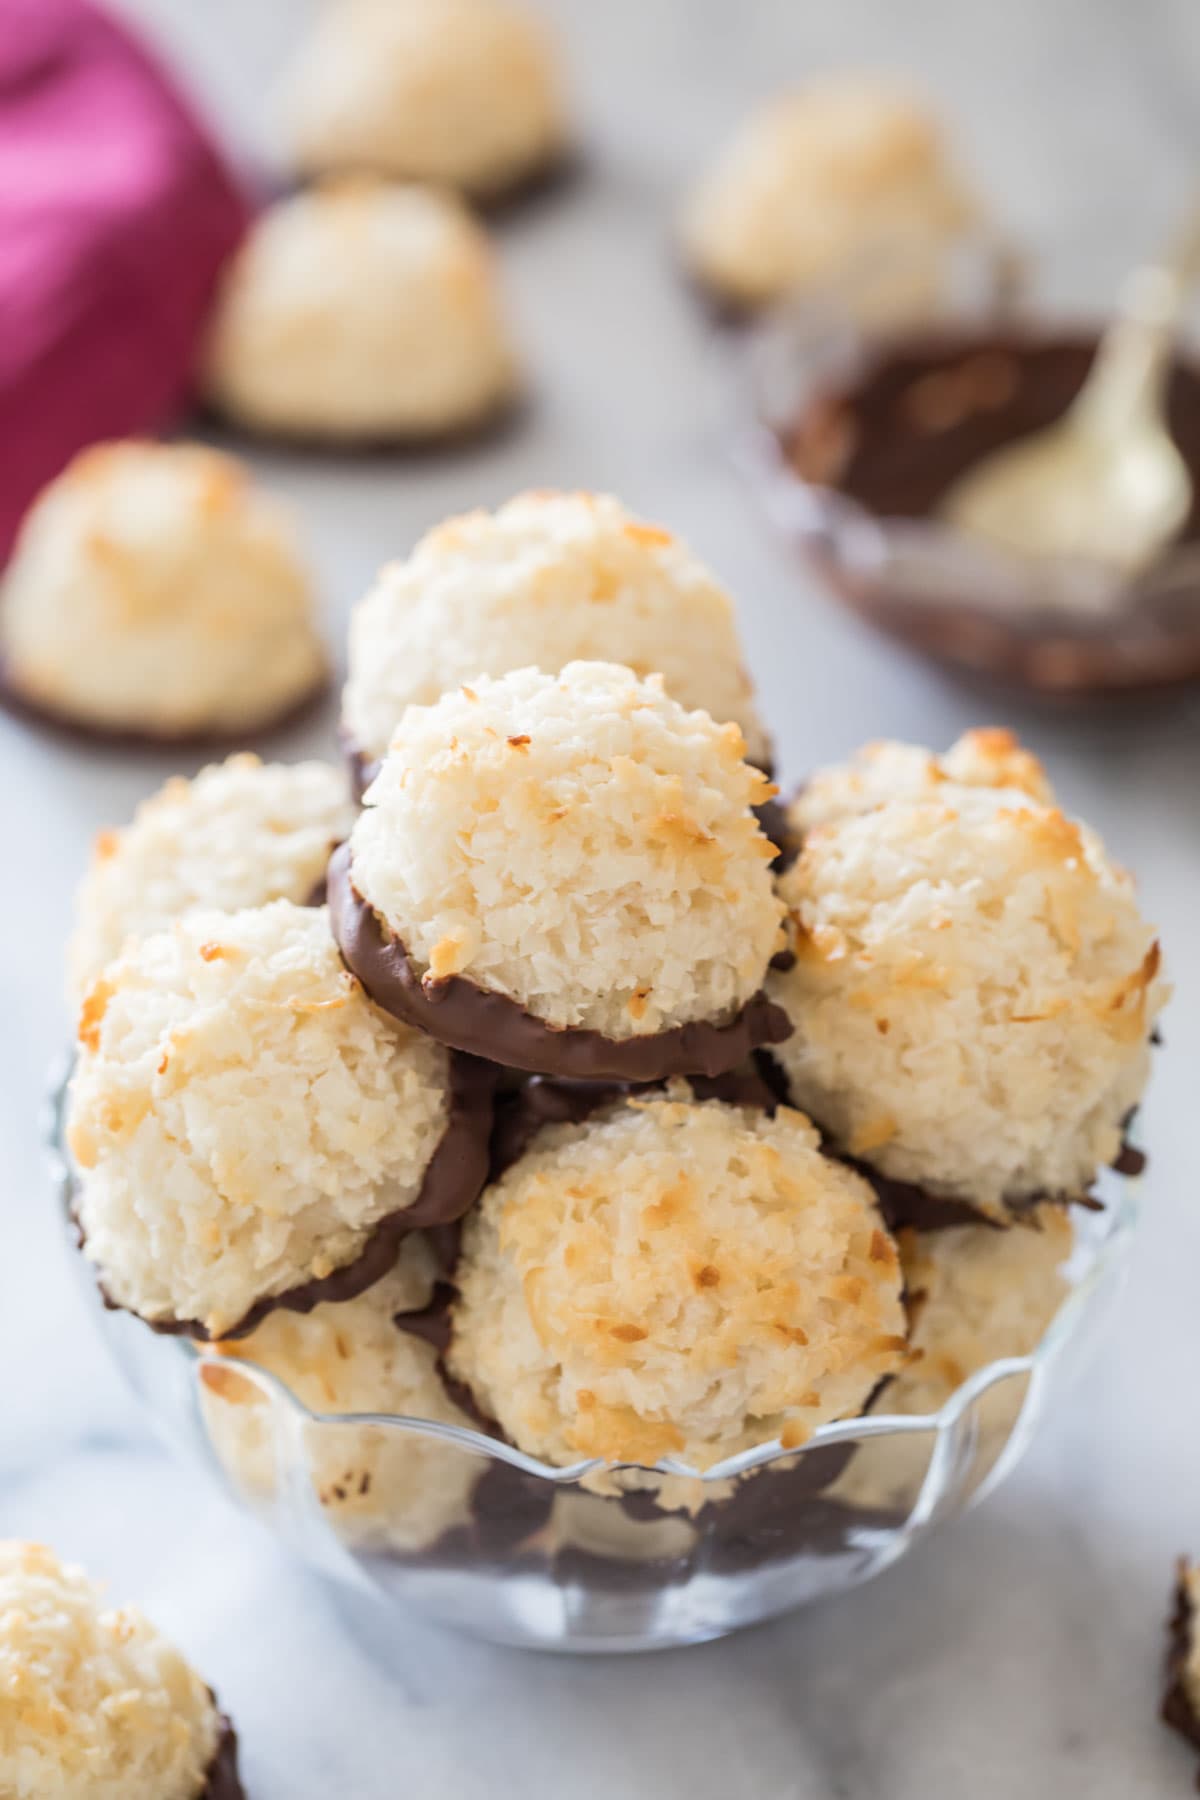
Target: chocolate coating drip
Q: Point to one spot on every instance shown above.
(458, 1012)
(433, 1324)
(905, 1203)
(541, 1100)
(454, 1179)
(223, 1781)
(360, 767)
(1177, 1710)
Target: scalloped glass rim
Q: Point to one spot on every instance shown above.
(1113, 1228)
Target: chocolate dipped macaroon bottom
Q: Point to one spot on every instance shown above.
(456, 1175)
(456, 1011)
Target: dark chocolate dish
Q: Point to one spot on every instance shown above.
(896, 440)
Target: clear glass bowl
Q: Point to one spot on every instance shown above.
(1063, 628)
(475, 1535)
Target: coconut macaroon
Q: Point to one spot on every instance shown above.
(242, 833)
(94, 1703)
(973, 994)
(674, 1278)
(563, 873)
(154, 592)
(546, 580)
(885, 770)
(360, 313)
(250, 1131)
(377, 1485)
(465, 93)
(1181, 1700)
(818, 182)
(975, 1295)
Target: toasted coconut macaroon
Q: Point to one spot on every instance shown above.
(974, 1296)
(674, 1278)
(464, 93)
(155, 593)
(886, 770)
(1181, 1699)
(973, 994)
(362, 313)
(379, 1486)
(819, 183)
(242, 833)
(250, 1131)
(546, 580)
(94, 1703)
(563, 873)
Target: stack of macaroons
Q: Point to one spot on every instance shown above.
(558, 1002)
(94, 1703)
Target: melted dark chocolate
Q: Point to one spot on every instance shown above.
(453, 1181)
(921, 414)
(772, 820)
(776, 1513)
(541, 1100)
(904, 1203)
(223, 1781)
(1177, 1710)
(458, 1012)
(932, 406)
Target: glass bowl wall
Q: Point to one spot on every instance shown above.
(471, 1533)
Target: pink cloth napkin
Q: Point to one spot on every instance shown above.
(116, 215)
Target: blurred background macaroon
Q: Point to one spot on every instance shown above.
(466, 93)
(361, 313)
(156, 592)
(817, 184)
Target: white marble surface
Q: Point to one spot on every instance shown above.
(1016, 1654)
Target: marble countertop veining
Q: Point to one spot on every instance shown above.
(1016, 1654)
